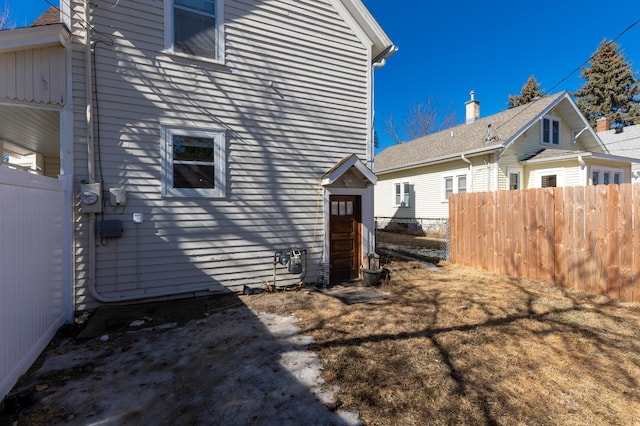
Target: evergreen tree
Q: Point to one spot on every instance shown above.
(530, 91)
(611, 87)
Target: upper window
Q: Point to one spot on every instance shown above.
(551, 131)
(193, 163)
(454, 184)
(402, 194)
(194, 28)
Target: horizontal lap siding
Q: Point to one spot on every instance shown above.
(280, 141)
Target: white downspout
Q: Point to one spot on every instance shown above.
(583, 170)
(466, 160)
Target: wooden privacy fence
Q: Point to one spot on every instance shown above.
(585, 238)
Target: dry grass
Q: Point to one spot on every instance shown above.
(458, 346)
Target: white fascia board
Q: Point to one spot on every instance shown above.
(537, 118)
(343, 168)
(438, 160)
(580, 154)
(358, 17)
(33, 37)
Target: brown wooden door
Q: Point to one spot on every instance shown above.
(344, 225)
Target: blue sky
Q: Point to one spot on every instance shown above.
(449, 48)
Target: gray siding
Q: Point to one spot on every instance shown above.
(280, 139)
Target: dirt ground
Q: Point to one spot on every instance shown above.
(446, 345)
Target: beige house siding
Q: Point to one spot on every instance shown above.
(427, 185)
(568, 173)
(292, 98)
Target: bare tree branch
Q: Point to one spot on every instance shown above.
(421, 120)
(390, 128)
(5, 14)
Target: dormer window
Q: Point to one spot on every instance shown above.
(550, 131)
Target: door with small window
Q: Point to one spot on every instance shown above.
(345, 236)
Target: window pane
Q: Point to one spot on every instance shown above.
(406, 193)
(462, 184)
(514, 181)
(605, 178)
(349, 208)
(549, 181)
(342, 206)
(448, 187)
(398, 200)
(556, 133)
(192, 176)
(334, 208)
(595, 178)
(187, 148)
(207, 6)
(194, 33)
(545, 130)
(616, 178)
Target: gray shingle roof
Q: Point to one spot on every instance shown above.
(467, 138)
(625, 143)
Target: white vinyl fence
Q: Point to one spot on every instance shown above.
(35, 272)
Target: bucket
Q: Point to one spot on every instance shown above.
(371, 276)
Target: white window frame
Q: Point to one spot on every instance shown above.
(602, 170)
(514, 171)
(218, 49)
(551, 120)
(219, 163)
(405, 187)
(456, 184)
(559, 173)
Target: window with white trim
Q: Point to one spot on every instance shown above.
(195, 28)
(606, 176)
(193, 163)
(514, 177)
(402, 194)
(514, 180)
(453, 185)
(550, 131)
(548, 181)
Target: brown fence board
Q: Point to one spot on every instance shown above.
(601, 252)
(563, 206)
(636, 243)
(591, 278)
(579, 260)
(613, 270)
(532, 229)
(581, 237)
(625, 233)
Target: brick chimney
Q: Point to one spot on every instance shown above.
(603, 124)
(473, 108)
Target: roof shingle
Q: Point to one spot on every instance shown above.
(484, 134)
(50, 16)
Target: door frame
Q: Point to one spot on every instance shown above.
(367, 223)
(357, 235)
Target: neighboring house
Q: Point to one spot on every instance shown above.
(207, 141)
(545, 143)
(623, 141)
